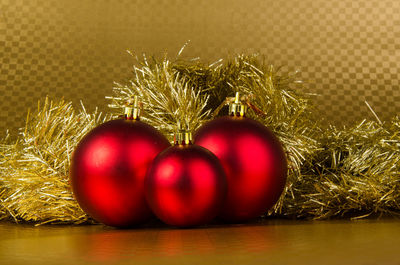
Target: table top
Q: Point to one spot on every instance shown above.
(267, 242)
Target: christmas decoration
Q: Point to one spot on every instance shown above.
(289, 114)
(253, 159)
(332, 171)
(34, 183)
(355, 174)
(108, 169)
(191, 91)
(186, 184)
(168, 96)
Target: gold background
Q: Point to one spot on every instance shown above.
(348, 51)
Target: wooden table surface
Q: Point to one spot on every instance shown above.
(269, 242)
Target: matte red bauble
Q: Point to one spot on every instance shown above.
(253, 160)
(185, 186)
(108, 170)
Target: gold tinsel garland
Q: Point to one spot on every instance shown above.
(332, 172)
(34, 182)
(356, 173)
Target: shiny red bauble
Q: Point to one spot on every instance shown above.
(254, 163)
(185, 186)
(108, 170)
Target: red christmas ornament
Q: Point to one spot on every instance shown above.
(253, 160)
(185, 185)
(108, 169)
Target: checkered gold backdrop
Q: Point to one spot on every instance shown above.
(348, 51)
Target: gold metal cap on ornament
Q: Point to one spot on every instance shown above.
(237, 108)
(183, 136)
(132, 109)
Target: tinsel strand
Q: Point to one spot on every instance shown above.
(34, 182)
(333, 172)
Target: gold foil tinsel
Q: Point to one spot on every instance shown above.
(167, 95)
(34, 181)
(333, 172)
(356, 173)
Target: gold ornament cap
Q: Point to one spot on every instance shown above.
(237, 108)
(132, 109)
(183, 136)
